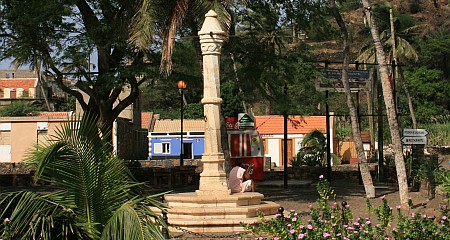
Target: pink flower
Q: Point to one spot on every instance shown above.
(6, 220)
(309, 227)
(325, 235)
(294, 219)
(444, 217)
(292, 231)
(301, 236)
(382, 197)
(398, 207)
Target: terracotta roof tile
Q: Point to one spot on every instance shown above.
(146, 119)
(54, 114)
(274, 124)
(24, 83)
(169, 125)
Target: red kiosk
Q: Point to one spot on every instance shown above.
(245, 143)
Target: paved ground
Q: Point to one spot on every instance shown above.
(301, 195)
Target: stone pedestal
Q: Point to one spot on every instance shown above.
(216, 213)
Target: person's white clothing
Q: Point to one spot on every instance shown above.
(236, 183)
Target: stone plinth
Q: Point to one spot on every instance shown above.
(209, 214)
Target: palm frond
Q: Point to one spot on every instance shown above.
(39, 217)
(95, 182)
(133, 221)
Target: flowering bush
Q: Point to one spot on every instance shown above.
(7, 231)
(331, 221)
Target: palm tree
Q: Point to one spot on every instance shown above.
(98, 197)
(362, 159)
(390, 105)
(313, 151)
(398, 47)
(163, 18)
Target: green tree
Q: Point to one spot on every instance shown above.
(98, 197)
(362, 159)
(430, 91)
(389, 103)
(232, 99)
(313, 149)
(20, 108)
(267, 59)
(63, 36)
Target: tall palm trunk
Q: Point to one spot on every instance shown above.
(390, 106)
(398, 70)
(408, 97)
(363, 164)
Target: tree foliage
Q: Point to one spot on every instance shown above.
(20, 108)
(430, 92)
(64, 38)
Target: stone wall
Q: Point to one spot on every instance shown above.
(345, 171)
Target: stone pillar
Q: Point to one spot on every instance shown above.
(213, 180)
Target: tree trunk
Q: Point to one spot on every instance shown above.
(398, 71)
(408, 97)
(390, 107)
(362, 160)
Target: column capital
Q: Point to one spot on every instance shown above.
(211, 35)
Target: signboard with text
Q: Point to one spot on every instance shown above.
(412, 136)
(359, 80)
(246, 121)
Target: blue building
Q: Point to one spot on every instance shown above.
(164, 142)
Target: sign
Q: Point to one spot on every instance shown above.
(359, 80)
(246, 121)
(414, 140)
(231, 123)
(415, 132)
(352, 74)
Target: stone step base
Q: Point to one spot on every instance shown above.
(191, 199)
(218, 225)
(267, 208)
(216, 213)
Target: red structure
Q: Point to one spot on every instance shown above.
(247, 145)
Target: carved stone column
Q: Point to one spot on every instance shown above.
(213, 179)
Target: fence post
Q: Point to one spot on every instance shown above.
(344, 218)
(281, 212)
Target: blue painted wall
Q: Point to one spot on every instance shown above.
(156, 140)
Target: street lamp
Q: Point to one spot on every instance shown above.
(181, 86)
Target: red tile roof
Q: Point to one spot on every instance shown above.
(24, 83)
(274, 124)
(54, 114)
(146, 119)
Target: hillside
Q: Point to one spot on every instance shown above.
(428, 19)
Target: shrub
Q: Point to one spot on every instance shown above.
(331, 221)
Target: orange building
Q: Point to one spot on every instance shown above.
(271, 129)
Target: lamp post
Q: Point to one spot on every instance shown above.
(181, 86)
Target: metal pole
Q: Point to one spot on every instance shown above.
(327, 112)
(181, 127)
(285, 146)
(381, 175)
(327, 122)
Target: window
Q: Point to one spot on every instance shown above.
(162, 148)
(166, 148)
(19, 92)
